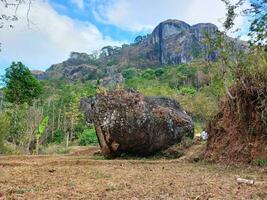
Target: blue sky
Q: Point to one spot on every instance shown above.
(60, 26)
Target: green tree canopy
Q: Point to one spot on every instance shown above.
(21, 86)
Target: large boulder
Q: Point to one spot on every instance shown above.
(128, 122)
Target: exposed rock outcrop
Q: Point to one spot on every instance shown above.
(113, 79)
(171, 42)
(40, 75)
(73, 72)
(177, 42)
(128, 122)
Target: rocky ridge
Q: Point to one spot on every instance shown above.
(171, 42)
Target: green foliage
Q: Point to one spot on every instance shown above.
(260, 162)
(159, 72)
(129, 73)
(58, 137)
(4, 130)
(203, 106)
(88, 137)
(112, 62)
(42, 127)
(148, 74)
(258, 27)
(188, 90)
(231, 15)
(21, 86)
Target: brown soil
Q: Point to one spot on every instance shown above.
(78, 176)
(238, 134)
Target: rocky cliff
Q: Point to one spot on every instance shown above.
(171, 42)
(177, 42)
(80, 66)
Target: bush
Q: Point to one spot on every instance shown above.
(149, 74)
(188, 90)
(185, 70)
(129, 73)
(159, 72)
(58, 137)
(88, 137)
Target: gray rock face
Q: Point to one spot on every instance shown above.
(79, 67)
(40, 75)
(113, 79)
(73, 72)
(177, 42)
(128, 122)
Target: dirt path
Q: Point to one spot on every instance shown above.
(85, 177)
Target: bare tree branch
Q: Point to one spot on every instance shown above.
(10, 13)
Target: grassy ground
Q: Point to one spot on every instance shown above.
(84, 176)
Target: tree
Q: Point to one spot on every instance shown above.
(21, 86)
(258, 27)
(138, 39)
(107, 51)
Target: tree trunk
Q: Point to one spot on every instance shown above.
(71, 128)
(37, 146)
(53, 120)
(67, 140)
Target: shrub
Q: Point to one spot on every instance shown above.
(188, 90)
(88, 137)
(186, 70)
(129, 73)
(58, 137)
(148, 74)
(159, 72)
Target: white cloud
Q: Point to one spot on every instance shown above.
(78, 3)
(140, 15)
(50, 39)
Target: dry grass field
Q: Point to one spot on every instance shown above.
(79, 176)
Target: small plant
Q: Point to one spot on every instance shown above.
(260, 162)
(188, 90)
(40, 132)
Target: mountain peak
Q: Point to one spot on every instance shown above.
(171, 42)
(174, 22)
